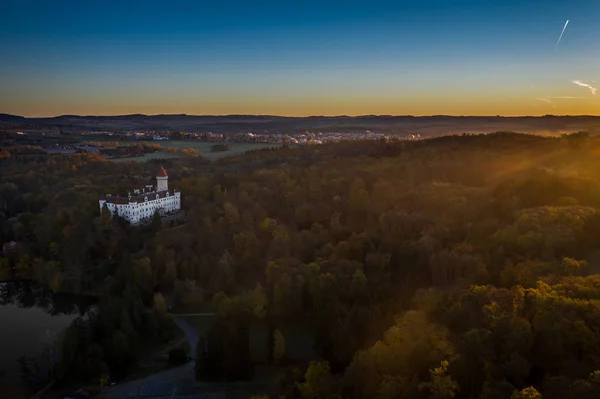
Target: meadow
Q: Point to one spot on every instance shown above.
(203, 148)
(147, 157)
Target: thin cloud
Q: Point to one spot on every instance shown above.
(568, 98)
(547, 100)
(587, 86)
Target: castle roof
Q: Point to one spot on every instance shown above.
(139, 198)
(162, 172)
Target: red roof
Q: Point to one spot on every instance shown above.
(161, 172)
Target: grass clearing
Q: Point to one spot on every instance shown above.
(204, 149)
(147, 157)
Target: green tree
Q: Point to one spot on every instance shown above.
(493, 389)
(120, 355)
(5, 272)
(23, 267)
(156, 223)
(359, 283)
(181, 293)
(142, 278)
(169, 278)
(159, 303)
(103, 380)
(318, 382)
(408, 349)
(278, 346)
(224, 354)
(258, 302)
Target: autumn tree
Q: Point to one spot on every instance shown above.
(441, 386)
(526, 393)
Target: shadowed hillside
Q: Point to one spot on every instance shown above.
(401, 125)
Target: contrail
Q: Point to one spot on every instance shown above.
(587, 86)
(561, 33)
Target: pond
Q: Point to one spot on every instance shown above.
(31, 320)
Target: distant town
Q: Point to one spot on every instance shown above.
(132, 144)
(151, 137)
(306, 137)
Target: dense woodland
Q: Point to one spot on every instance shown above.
(456, 267)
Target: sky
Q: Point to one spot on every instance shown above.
(296, 58)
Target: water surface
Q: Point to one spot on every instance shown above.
(32, 319)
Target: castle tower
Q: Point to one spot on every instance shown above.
(162, 180)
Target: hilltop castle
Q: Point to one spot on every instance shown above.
(144, 202)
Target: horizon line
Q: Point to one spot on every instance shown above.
(299, 117)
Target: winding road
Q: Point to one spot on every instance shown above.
(191, 335)
(184, 372)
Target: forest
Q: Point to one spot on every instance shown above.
(455, 267)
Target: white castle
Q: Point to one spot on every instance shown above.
(144, 202)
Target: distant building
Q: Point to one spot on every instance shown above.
(9, 247)
(144, 202)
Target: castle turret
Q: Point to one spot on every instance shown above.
(162, 180)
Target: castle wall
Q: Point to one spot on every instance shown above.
(134, 212)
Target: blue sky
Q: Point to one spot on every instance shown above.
(299, 58)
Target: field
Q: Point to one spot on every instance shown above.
(147, 157)
(203, 148)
